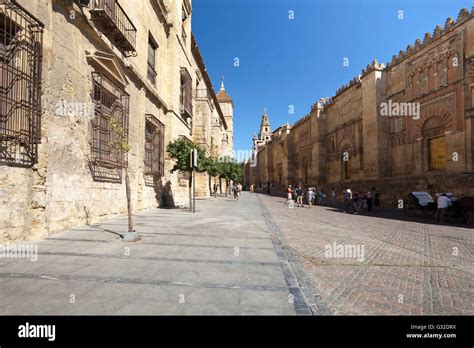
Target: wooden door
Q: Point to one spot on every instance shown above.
(437, 148)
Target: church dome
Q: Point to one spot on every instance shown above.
(222, 96)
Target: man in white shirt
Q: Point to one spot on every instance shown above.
(443, 203)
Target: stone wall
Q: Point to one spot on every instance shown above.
(391, 152)
(61, 191)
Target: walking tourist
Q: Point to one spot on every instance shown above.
(289, 194)
(356, 203)
(318, 196)
(347, 199)
(363, 202)
(299, 197)
(234, 190)
(310, 197)
(443, 203)
(369, 196)
(239, 190)
(376, 197)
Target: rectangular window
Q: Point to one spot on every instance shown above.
(396, 124)
(184, 36)
(20, 85)
(152, 47)
(186, 98)
(154, 146)
(184, 15)
(332, 146)
(110, 124)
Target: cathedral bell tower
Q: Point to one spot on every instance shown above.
(265, 131)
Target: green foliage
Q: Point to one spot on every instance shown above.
(121, 144)
(212, 167)
(230, 170)
(180, 150)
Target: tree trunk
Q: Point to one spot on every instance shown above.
(210, 185)
(226, 186)
(129, 200)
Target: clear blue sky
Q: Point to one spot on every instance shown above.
(295, 62)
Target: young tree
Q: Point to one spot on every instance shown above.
(180, 150)
(213, 170)
(123, 147)
(230, 170)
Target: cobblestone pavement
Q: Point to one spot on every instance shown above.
(408, 267)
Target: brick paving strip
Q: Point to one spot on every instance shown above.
(307, 298)
(225, 259)
(410, 267)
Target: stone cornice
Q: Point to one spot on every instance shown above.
(438, 33)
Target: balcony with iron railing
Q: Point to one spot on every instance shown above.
(114, 22)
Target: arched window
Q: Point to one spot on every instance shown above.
(454, 63)
(441, 74)
(345, 159)
(423, 82)
(304, 165)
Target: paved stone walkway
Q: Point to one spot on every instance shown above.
(409, 267)
(252, 257)
(224, 259)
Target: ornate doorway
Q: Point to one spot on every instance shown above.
(435, 143)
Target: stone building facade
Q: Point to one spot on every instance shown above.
(75, 75)
(404, 126)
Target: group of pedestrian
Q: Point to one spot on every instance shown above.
(314, 196)
(359, 201)
(353, 202)
(295, 193)
(237, 189)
